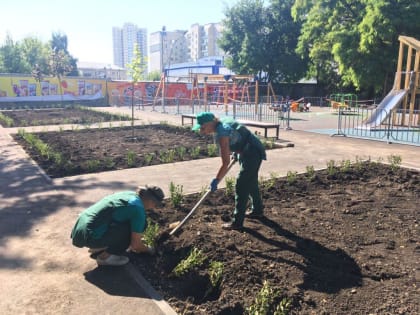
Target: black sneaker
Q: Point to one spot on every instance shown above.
(253, 215)
(231, 226)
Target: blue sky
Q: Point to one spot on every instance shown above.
(88, 23)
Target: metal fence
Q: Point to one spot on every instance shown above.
(398, 126)
(264, 112)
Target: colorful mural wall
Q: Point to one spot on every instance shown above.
(116, 93)
(26, 88)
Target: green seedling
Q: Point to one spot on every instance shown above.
(195, 152)
(212, 149)
(176, 194)
(230, 186)
(395, 161)
(310, 172)
(151, 233)
(216, 273)
(291, 177)
(131, 158)
(331, 169)
(194, 259)
(264, 302)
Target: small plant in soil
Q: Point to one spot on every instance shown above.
(148, 157)
(181, 151)
(93, 165)
(264, 303)
(194, 259)
(331, 169)
(195, 152)
(291, 177)
(272, 180)
(216, 273)
(230, 186)
(212, 149)
(151, 233)
(310, 172)
(395, 161)
(131, 158)
(345, 166)
(176, 194)
(7, 120)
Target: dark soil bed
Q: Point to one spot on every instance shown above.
(105, 149)
(342, 244)
(58, 116)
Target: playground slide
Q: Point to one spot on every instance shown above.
(384, 109)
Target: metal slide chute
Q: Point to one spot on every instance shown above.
(384, 109)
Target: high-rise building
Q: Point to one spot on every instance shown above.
(166, 48)
(202, 41)
(171, 47)
(124, 41)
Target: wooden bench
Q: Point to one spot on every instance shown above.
(189, 116)
(261, 124)
(251, 123)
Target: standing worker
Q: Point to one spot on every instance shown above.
(115, 224)
(237, 142)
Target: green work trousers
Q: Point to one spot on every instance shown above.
(247, 185)
(117, 238)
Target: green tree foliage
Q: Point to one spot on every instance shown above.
(138, 66)
(31, 53)
(261, 40)
(12, 59)
(59, 42)
(354, 44)
(36, 53)
(153, 76)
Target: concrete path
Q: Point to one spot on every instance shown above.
(41, 273)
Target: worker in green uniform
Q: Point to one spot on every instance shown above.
(115, 224)
(236, 141)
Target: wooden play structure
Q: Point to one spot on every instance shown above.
(217, 89)
(410, 53)
(344, 101)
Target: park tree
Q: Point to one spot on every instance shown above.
(12, 58)
(59, 42)
(36, 53)
(353, 45)
(59, 66)
(137, 70)
(261, 39)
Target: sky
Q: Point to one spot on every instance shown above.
(88, 23)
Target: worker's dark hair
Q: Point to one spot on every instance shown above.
(151, 192)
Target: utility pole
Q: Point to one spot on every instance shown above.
(162, 36)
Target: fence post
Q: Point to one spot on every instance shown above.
(288, 116)
(340, 117)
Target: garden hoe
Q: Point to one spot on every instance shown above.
(179, 224)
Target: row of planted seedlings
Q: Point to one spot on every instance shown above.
(131, 157)
(268, 300)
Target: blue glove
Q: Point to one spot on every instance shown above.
(213, 184)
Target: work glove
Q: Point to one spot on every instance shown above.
(234, 157)
(213, 184)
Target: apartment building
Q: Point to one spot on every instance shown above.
(173, 47)
(124, 41)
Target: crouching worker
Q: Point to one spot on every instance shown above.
(115, 224)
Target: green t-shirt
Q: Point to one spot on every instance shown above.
(125, 206)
